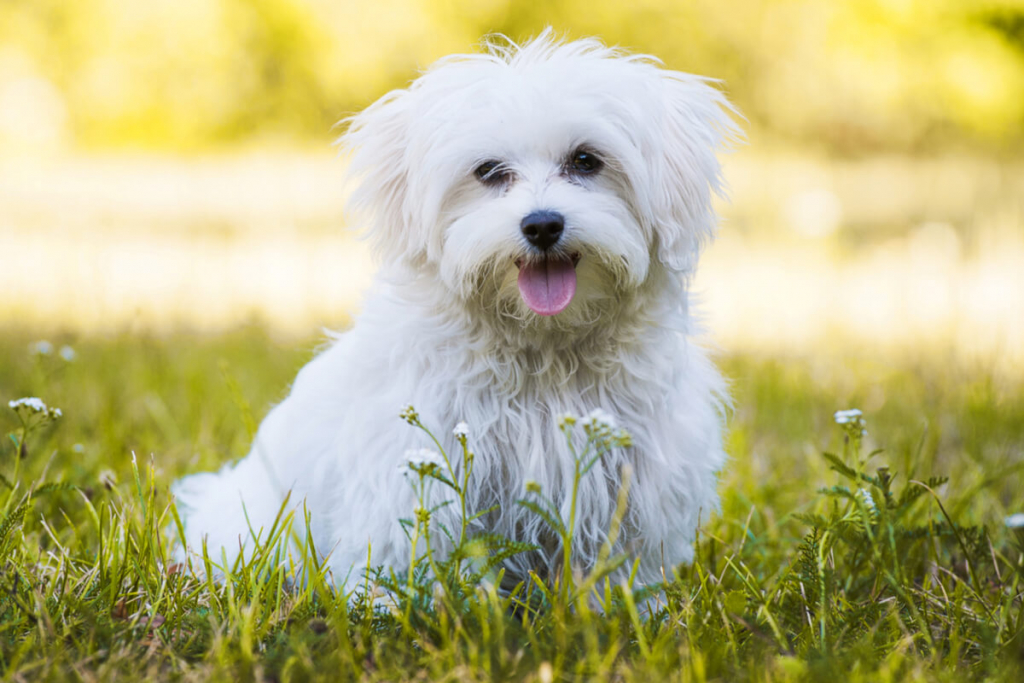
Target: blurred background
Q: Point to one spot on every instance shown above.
(167, 165)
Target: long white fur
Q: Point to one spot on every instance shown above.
(444, 327)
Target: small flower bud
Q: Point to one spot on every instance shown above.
(409, 414)
(566, 420)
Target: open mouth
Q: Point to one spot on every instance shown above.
(548, 284)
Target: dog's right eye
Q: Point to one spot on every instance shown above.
(489, 173)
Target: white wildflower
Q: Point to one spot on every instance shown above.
(31, 407)
(869, 501)
(423, 456)
(566, 419)
(601, 417)
(409, 414)
(461, 431)
(598, 420)
(851, 416)
(40, 348)
(420, 461)
(602, 428)
(67, 353)
(1015, 521)
(30, 403)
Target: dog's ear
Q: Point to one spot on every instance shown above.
(376, 144)
(697, 124)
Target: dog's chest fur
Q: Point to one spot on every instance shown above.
(659, 388)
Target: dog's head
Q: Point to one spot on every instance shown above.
(542, 183)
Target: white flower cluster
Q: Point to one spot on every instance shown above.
(600, 426)
(423, 456)
(869, 501)
(32, 403)
(420, 462)
(32, 407)
(598, 420)
(45, 348)
(852, 416)
(852, 421)
(1015, 521)
(409, 414)
(461, 431)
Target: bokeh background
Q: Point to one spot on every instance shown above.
(167, 165)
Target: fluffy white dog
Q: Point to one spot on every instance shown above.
(539, 211)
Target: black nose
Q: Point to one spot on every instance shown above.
(543, 228)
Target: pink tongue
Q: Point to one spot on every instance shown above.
(548, 286)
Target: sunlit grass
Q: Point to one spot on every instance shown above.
(88, 593)
(891, 287)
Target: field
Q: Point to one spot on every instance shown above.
(816, 568)
(173, 242)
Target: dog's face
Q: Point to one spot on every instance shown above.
(542, 184)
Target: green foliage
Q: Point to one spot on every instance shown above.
(860, 565)
(914, 75)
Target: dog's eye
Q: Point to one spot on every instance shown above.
(491, 173)
(585, 163)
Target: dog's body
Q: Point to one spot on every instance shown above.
(581, 178)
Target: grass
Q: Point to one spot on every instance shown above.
(817, 568)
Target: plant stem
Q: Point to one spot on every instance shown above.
(567, 541)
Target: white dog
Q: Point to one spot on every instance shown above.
(539, 211)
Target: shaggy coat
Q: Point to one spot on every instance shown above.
(445, 328)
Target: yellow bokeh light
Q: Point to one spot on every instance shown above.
(156, 156)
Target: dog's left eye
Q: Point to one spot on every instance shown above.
(585, 163)
(490, 173)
